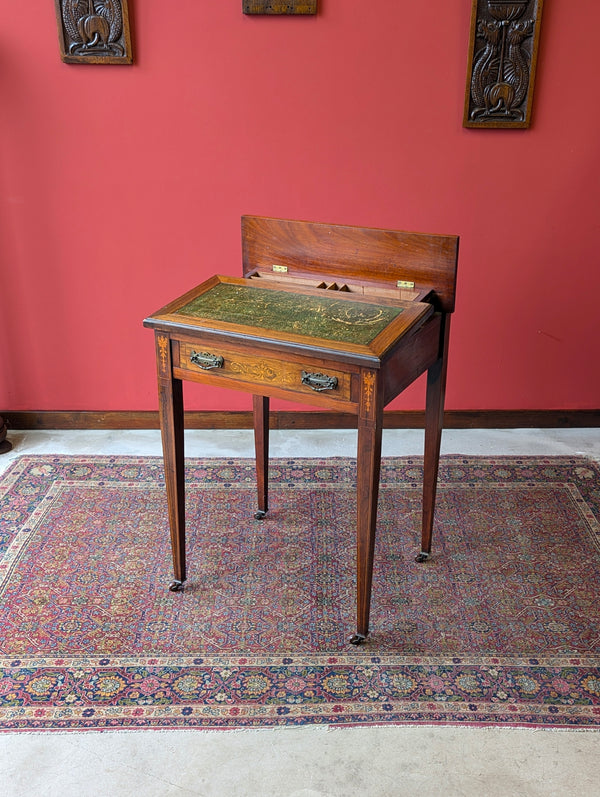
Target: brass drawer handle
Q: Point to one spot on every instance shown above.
(206, 361)
(319, 382)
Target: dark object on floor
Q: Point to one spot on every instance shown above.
(5, 445)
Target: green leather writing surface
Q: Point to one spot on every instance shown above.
(324, 316)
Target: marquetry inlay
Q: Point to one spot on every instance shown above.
(163, 346)
(368, 389)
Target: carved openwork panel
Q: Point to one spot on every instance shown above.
(94, 31)
(502, 59)
(280, 6)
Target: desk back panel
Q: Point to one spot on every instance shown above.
(359, 254)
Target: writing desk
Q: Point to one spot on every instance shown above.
(339, 317)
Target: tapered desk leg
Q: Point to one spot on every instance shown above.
(434, 419)
(261, 444)
(170, 394)
(367, 491)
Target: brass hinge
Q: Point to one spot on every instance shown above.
(405, 284)
(280, 269)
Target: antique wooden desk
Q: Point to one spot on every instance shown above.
(339, 317)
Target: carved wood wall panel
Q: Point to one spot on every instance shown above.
(503, 50)
(94, 31)
(280, 6)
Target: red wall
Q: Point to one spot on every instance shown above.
(121, 187)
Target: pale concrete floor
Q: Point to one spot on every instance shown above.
(308, 761)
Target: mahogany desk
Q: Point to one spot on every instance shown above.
(339, 317)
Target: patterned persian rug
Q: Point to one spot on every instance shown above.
(500, 627)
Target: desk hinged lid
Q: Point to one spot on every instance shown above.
(295, 316)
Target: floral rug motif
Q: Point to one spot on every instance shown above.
(500, 627)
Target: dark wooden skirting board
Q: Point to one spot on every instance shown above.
(393, 419)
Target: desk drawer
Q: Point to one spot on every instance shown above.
(252, 369)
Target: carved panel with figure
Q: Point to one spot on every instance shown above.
(502, 60)
(94, 31)
(279, 6)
